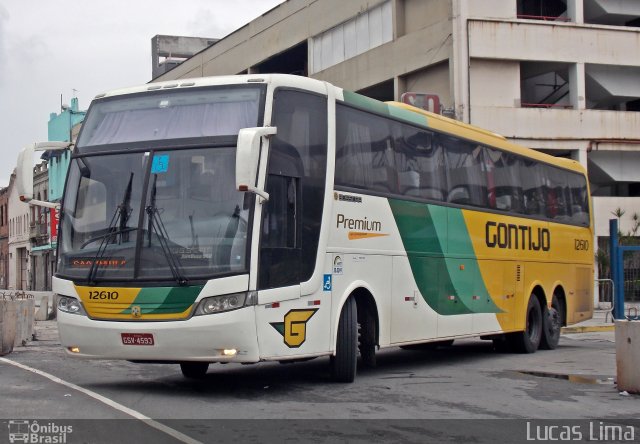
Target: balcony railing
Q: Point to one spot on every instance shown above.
(38, 231)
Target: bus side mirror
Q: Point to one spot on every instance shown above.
(24, 170)
(248, 159)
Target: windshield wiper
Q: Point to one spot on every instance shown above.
(120, 218)
(155, 223)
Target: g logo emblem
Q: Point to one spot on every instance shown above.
(136, 311)
(294, 327)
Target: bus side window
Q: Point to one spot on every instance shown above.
(467, 179)
(364, 152)
(420, 164)
(533, 184)
(558, 206)
(579, 199)
(504, 192)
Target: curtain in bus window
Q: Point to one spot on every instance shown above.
(467, 179)
(419, 162)
(354, 159)
(558, 194)
(533, 186)
(503, 181)
(364, 155)
(579, 199)
(197, 120)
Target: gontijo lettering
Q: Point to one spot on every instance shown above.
(517, 237)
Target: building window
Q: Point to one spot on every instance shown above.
(349, 39)
(545, 85)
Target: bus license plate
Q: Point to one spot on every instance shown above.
(137, 338)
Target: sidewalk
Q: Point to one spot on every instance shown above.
(602, 321)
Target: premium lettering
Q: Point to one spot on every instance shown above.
(517, 237)
(358, 224)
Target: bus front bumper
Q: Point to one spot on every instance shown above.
(210, 338)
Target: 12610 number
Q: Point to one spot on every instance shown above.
(110, 295)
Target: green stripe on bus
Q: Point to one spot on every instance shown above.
(165, 300)
(376, 106)
(448, 285)
(468, 282)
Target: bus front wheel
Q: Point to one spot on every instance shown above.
(194, 370)
(343, 364)
(528, 341)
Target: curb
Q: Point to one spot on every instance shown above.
(588, 329)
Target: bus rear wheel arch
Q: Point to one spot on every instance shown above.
(368, 329)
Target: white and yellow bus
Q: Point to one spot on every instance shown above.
(279, 218)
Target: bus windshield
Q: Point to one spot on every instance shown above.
(172, 114)
(190, 222)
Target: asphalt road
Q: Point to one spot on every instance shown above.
(464, 393)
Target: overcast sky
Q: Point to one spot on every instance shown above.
(49, 48)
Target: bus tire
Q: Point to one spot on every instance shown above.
(343, 364)
(551, 325)
(528, 341)
(194, 370)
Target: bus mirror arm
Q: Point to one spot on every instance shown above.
(24, 170)
(248, 159)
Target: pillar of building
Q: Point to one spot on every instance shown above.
(580, 155)
(459, 62)
(399, 87)
(398, 18)
(575, 10)
(577, 88)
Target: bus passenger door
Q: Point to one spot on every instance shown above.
(280, 249)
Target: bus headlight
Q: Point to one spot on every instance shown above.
(70, 305)
(227, 302)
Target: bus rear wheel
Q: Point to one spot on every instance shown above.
(551, 325)
(343, 364)
(194, 370)
(528, 341)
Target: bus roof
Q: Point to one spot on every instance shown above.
(397, 110)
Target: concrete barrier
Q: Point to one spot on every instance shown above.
(45, 310)
(628, 355)
(8, 312)
(25, 315)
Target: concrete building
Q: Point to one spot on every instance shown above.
(42, 250)
(61, 129)
(19, 244)
(48, 185)
(559, 76)
(168, 51)
(4, 237)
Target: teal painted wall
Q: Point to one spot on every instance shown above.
(60, 126)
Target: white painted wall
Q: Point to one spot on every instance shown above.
(18, 234)
(604, 207)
